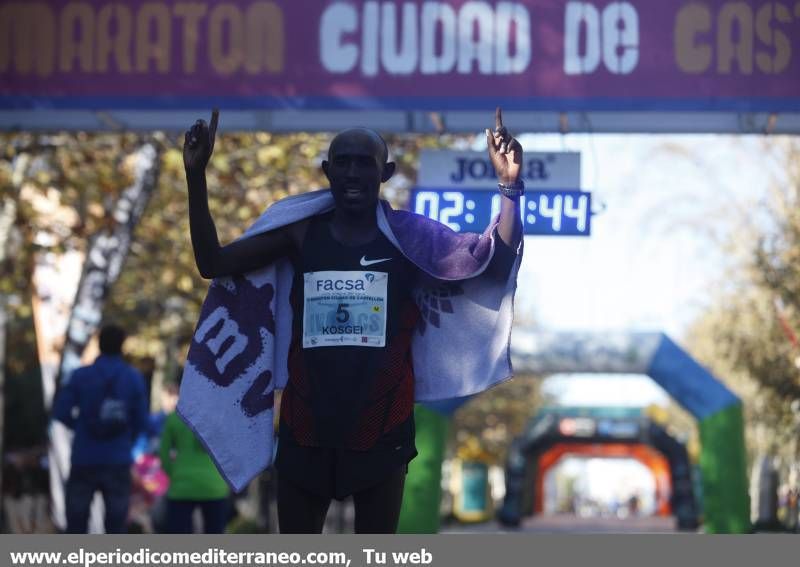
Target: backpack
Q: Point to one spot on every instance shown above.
(109, 418)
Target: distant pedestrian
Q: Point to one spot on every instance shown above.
(193, 481)
(105, 404)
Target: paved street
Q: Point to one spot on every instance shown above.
(573, 524)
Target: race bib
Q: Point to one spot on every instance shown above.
(344, 309)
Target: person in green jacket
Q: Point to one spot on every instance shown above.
(193, 480)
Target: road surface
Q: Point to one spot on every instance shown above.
(572, 524)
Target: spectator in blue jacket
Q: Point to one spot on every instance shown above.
(106, 406)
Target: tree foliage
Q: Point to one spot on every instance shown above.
(749, 334)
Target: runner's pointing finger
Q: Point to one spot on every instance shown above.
(212, 129)
(500, 131)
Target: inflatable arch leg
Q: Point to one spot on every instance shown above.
(723, 469)
(423, 488)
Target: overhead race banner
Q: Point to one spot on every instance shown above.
(551, 55)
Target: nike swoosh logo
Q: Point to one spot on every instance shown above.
(364, 262)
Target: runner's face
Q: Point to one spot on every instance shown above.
(355, 171)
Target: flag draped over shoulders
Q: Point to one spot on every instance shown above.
(238, 355)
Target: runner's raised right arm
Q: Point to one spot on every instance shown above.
(214, 260)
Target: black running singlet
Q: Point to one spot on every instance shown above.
(351, 382)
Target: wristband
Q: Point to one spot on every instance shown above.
(514, 190)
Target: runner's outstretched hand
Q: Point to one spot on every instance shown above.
(504, 151)
(198, 143)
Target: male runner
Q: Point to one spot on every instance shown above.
(346, 423)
